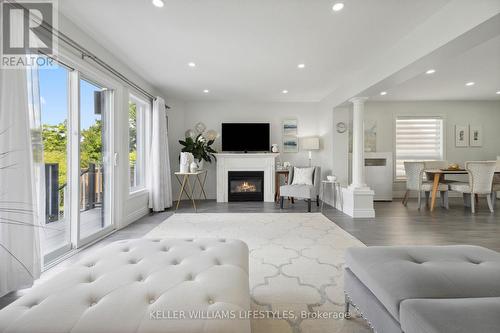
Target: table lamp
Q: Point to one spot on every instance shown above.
(310, 144)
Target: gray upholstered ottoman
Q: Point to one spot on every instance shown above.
(457, 315)
(380, 280)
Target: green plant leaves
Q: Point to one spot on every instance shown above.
(201, 149)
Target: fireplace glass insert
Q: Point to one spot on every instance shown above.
(245, 186)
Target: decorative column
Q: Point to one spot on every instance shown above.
(358, 197)
(358, 142)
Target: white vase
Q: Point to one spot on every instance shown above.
(185, 160)
(201, 164)
(193, 167)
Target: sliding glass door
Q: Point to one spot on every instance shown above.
(76, 132)
(53, 100)
(94, 194)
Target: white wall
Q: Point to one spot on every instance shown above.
(215, 113)
(485, 113)
(176, 129)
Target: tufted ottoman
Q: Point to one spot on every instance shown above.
(142, 285)
(394, 287)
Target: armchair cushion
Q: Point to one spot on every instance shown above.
(427, 186)
(303, 176)
(460, 187)
(299, 191)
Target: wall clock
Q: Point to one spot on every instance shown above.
(341, 127)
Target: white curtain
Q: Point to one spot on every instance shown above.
(159, 178)
(20, 262)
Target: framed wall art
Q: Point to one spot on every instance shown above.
(476, 136)
(461, 136)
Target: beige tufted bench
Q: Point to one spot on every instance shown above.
(142, 285)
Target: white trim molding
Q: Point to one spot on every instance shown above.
(245, 162)
(358, 202)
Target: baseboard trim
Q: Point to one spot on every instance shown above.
(134, 216)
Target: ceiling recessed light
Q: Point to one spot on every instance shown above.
(469, 84)
(191, 64)
(498, 92)
(285, 91)
(206, 91)
(383, 93)
(158, 3)
(338, 6)
(430, 71)
(301, 65)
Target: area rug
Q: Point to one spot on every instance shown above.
(296, 265)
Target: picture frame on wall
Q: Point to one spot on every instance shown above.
(461, 136)
(290, 127)
(290, 144)
(476, 136)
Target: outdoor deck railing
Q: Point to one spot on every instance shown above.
(90, 189)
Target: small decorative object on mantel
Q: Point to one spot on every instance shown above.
(199, 143)
(274, 148)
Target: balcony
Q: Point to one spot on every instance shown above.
(56, 231)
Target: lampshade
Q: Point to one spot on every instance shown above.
(311, 143)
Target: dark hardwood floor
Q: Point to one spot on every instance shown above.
(394, 224)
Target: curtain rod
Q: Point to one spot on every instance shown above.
(85, 53)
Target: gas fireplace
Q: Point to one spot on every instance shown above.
(246, 186)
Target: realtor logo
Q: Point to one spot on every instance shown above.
(27, 33)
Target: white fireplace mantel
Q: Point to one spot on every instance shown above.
(245, 162)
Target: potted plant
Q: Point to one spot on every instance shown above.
(200, 146)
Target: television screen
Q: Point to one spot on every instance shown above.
(245, 137)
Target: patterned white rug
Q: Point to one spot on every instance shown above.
(296, 265)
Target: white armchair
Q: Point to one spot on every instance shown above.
(414, 182)
(307, 192)
(480, 182)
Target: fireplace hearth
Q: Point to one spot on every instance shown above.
(245, 186)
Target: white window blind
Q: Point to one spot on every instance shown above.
(417, 139)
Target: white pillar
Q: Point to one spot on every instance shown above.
(358, 142)
(358, 197)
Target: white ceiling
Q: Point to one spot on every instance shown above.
(480, 64)
(248, 50)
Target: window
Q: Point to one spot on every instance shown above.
(417, 139)
(137, 109)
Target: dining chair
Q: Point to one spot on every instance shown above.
(415, 182)
(496, 184)
(480, 183)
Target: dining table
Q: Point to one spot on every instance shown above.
(439, 175)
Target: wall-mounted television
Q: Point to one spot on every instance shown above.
(245, 137)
